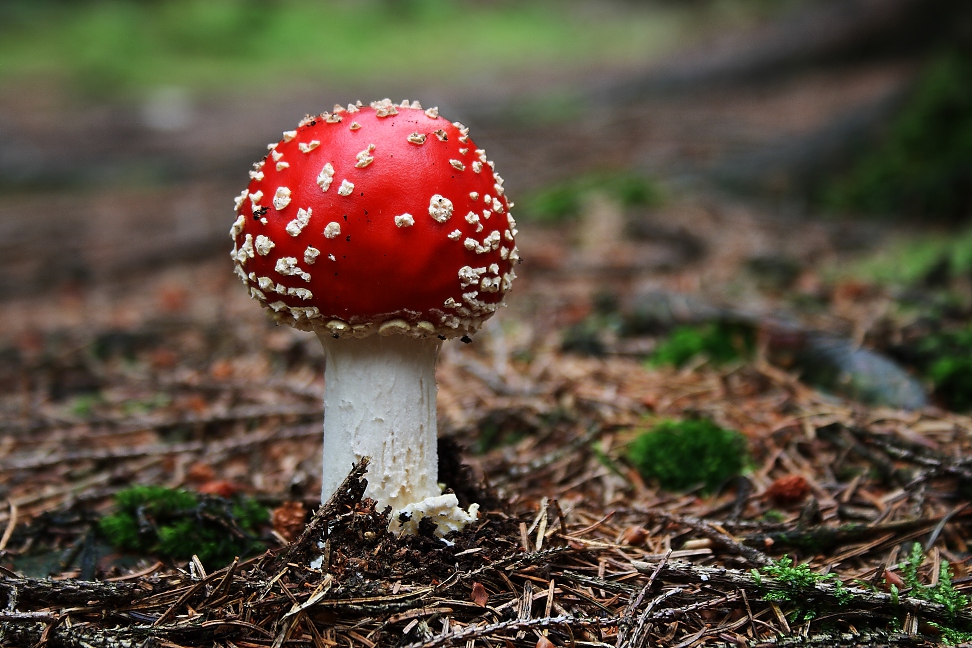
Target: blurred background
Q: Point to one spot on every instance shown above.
(125, 124)
(694, 179)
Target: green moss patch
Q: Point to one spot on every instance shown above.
(924, 165)
(684, 454)
(564, 201)
(178, 524)
(720, 342)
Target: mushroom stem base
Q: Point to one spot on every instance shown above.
(379, 401)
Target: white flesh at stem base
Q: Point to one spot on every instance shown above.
(379, 402)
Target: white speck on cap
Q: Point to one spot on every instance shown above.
(442, 135)
(346, 188)
(473, 219)
(504, 253)
(353, 109)
(259, 164)
(492, 241)
(487, 213)
(331, 257)
(325, 177)
(311, 254)
(237, 225)
(246, 250)
(332, 230)
(477, 166)
(282, 198)
(497, 206)
(490, 284)
(474, 195)
(266, 283)
(238, 202)
(338, 108)
(282, 289)
(509, 235)
(281, 166)
(303, 217)
(263, 245)
(416, 106)
(416, 138)
(384, 108)
(405, 104)
(455, 235)
(303, 293)
(256, 293)
(405, 220)
(278, 306)
(440, 208)
(515, 254)
(471, 244)
(307, 147)
(276, 155)
(289, 135)
(432, 113)
(333, 119)
(354, 126)
(365, 157)
(494, 268)
(469, 275)
(288, 266)
(457, 165)
(256, 175)
(255, 199)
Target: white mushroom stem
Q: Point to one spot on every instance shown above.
(379, 402)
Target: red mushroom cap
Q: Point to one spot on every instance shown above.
(383, 218)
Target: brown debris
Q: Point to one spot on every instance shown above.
(788, 490)
(289, 519)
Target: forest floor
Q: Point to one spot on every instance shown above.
(171, 376)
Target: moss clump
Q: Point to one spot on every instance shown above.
(947, 362)
(924, 165)
(177, 524)
(564, 201)
(684, 454)
(925, 261)
(720, 342)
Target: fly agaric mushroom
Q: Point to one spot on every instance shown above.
(384, 230)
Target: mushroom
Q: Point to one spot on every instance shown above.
(384, 230)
